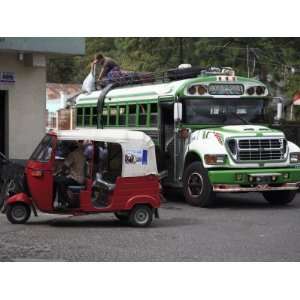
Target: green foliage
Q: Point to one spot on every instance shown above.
(267, 57)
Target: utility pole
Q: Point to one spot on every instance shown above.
(181, 50)
(247, 60)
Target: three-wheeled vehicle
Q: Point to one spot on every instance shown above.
(120, 177)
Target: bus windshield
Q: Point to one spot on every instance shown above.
(224, 111)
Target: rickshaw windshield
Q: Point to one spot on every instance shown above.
(43, 151)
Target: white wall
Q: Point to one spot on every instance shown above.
(27, 105)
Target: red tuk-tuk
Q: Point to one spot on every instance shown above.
(124, 181)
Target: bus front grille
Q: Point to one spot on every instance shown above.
(258, 149)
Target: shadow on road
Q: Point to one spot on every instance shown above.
(247, 203)
(231, 201)
(77, 221)
(160, 223)
(68, 222)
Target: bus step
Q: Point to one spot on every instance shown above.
(163, 174)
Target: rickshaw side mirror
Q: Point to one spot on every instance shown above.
(177, 111)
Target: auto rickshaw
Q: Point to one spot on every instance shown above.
(125, 182)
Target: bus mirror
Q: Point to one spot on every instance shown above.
(177, 111)
(279, 111)
(279, 108)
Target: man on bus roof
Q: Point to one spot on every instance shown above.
(109, 68)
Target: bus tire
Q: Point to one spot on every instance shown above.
(280, 197)
(18, 213)
(141, 216)
(197, 188)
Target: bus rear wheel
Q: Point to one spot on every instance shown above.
(280, 197)
(197, 187)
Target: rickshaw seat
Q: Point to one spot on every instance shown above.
(77, 188)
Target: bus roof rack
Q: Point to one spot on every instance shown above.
(135, 78)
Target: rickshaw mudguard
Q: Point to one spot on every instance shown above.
(21, 197)
(143, 199)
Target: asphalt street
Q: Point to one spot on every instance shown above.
(240, 228)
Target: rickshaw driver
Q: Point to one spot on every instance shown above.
(72, 173)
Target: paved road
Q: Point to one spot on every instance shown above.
(239, 228)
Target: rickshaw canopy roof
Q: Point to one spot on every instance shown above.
(138, 149)
(120, 136)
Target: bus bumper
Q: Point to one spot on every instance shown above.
(254, 180)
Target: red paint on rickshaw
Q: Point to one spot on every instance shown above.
(130, 194)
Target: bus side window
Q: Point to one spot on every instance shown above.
(122, 115)
(142, 114)
(104, 116)
(132, 115)
(79, 116)
(112, 116)
(87, 116)
(153, 115)
(94, 111)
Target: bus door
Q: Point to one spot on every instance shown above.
(166, 138)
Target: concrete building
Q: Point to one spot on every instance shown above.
(23, 63)
(56, 103)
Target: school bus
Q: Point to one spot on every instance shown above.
(213, 133)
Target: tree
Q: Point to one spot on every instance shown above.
(263, 58)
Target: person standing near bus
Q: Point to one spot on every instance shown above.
(109, 68)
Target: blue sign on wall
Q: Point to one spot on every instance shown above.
(7, 77)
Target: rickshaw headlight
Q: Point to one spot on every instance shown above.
(215, 159)
(295, 157)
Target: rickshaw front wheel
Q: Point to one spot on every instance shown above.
(141, 216)
(18, 213)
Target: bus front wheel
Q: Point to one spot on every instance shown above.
(197, 187)
(280, 197)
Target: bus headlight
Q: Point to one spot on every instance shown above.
(215, 159)
(295, 157)
(260, 90)
(250, 91)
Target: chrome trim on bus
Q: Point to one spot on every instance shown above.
(231, 188)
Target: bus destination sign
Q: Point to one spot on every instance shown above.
(226, 89)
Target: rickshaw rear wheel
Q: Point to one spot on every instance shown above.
(141, 216)
(122, 216)
(18, 213)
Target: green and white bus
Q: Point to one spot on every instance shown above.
(212, 133)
